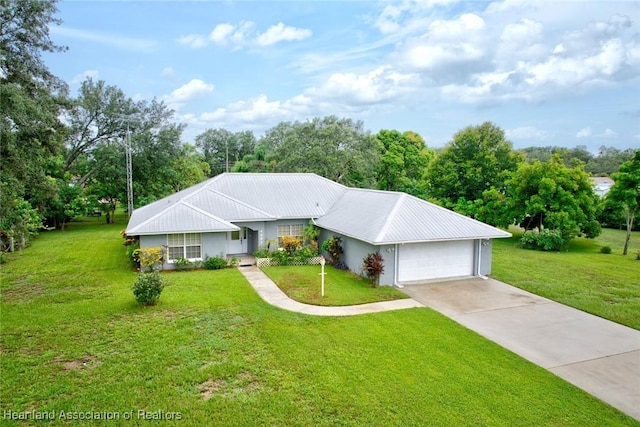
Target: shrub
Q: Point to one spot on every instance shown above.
(638, 256)
(373, 266)
(290, 243)
(150, 258)
(311, 233)
(262, 252)
(545, 240)
(148, 287)
(333, 246)
(133, 254)
(183, 264)
(215, 263)
(605, 250)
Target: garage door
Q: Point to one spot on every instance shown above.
(437, 260)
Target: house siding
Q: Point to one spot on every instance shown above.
(271, 228)
(213, 244)
(257, 237)
(486, 249)
(354, 250)
(389, 255)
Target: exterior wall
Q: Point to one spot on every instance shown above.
(213, 244)
(256, 234)
(389, 254)
(153, 241)
(486, 248)
(353, 250)
(271, 227)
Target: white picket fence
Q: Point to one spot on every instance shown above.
(272, 262)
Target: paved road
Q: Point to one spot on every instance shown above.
(597, 355)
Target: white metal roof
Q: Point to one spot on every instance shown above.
(385, 217)
(377, 217)
(180, 217)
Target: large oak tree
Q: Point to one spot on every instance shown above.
(477, 159)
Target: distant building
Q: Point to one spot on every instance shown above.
(601, 185)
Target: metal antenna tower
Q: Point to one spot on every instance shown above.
(129, 175)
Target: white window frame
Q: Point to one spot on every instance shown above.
(188, 241)
(295, 230)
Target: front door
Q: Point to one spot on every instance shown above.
(237, 241)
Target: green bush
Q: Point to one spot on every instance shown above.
(373, 266)
(545, 240)
(333, 245)
(638, 256)
(605, 250)
(148, 287)
(183, 264)
(214, 263)
(262, 252)
(133, 254)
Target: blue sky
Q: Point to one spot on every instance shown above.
(547, 72)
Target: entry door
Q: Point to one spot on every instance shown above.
(237, 241)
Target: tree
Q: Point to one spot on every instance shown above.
(97, 115)
(222, 148)
(189, 168)
(31, 98)
(625, 193)
(403, 162)
(608, 161)
(108, 183)
(477, 159)
(550, 195)
(337, 149)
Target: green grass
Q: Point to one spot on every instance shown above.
(73, 339)
(341, 287)
(607, 285)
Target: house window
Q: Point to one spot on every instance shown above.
(188, 245)
(290, 230)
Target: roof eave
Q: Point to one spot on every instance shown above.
(162, 233)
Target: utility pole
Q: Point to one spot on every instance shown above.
(129, 163)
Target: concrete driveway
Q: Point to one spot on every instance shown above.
(597, 355)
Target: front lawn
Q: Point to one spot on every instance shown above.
(607, 285)
(212, 351)
(302, 283)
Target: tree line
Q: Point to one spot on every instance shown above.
(63, 155)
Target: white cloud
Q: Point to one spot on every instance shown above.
(220, 33)
(526, 133)
(379, 85)
(111, 39)
(448, 47)
(584, 132)
(244, 35)
(396, 17)
(194, 89)
(193, 40)
(281, 32)
(587, 132)
(79, 78)
(168, 71)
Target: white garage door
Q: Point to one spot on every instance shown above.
(437, 260)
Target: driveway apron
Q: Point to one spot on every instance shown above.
(597, 355)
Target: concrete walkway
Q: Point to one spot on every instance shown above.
(597, 355)
(272, 294)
